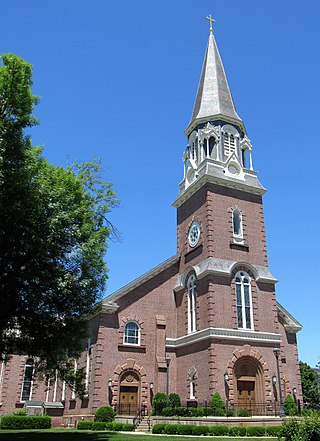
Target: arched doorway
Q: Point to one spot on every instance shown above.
(129, 393)
(249, 382)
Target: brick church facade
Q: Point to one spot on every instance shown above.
(210, 310)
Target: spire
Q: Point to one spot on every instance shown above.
(213, 96)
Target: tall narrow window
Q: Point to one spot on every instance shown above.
(192, 304)
(131, 334)
(237, 225)
(229, 144)
(243, 301)
(27, 380)
(2, 370)
(192, 387)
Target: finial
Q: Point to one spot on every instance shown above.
(211, 21)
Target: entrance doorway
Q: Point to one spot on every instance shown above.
(128, 401)
(246, 394)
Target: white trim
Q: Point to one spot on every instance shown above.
(48, 389)
(139, 334)
(192, 304)
(222, 333)
(55, 389)
(31, 382)
(73, 393)
(243, 275)
(88, 365)
(2, 371)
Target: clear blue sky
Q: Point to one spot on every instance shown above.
(118, 80)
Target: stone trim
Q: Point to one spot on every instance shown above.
(222, 333)
(248, 351)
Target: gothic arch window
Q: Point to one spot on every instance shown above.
(229, 140)
(131, 333)
(244, 300)
(27, 380)
(245, 158)
(192, 303)
(237, 225)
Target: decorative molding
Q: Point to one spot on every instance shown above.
(223, 267)
(291, 325)
(222, 333)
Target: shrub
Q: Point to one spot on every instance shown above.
(237, 431)
(312, 427)
(170, 429)
(15, 422)
(169, 411)
(158, 428)
(256, 431)
(104, 414)
(196, 411)
(117, 427)
(98, 425)
(231, 413)
(84, 425)
(184, 429)
(274, 431)
(217, 405)
(243, 413)
(293, 431)
(200, 430)
(127, 427)
(159, 401)
(289, 406)
(109, 426)
(174, 400)
(21, 412)
(218, 430)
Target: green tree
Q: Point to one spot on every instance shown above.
(158, 403)
(290, 407)
(310, 385)
(53, 236)
(217, 405)
(174, 400)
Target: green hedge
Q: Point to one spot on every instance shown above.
(15, 422)
(100, 425)
(188, 429)
(84, 425)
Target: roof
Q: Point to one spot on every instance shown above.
(213, 97)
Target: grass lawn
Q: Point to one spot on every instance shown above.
(76, 435)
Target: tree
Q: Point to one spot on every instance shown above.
(217, 405)
(53, 235)
(289, 406)
(310, 385)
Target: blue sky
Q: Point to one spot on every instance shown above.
(118, 80)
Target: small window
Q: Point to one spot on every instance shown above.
(244, 301)
(131, 334)
(27, 380)
(192, 387)
(237, 224)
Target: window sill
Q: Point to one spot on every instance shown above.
(239, 246)
(131, 348)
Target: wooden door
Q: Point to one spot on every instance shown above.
(128, 400)
(246, 394)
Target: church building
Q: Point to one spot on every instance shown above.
(205, 320)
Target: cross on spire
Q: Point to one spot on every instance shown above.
(211, 21)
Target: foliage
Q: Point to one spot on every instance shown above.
(289, 406)
(98, 425)
(312, 427)
(170, 429)
(185, 429)
(174, 400)
(159, 401)
(21, 412)
(217, 405)
(237, 431)
(218, 430)
(256, 431)
(200, 430)
(243, 413)
(293, 430)
(158, 428)
(183, 411)
(310, 385)
(53, 237)
(105, 414)
(18, 422)
(84, 425)
(274, 431)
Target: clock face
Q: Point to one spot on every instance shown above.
(194, 234)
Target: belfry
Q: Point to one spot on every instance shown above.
(206, 320)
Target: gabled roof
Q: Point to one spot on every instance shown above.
(213, 97)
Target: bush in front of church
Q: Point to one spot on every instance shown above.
(104, 414)
(17, 422)
(159, 401)
(217, 405)
(174, 400)
(290, 408)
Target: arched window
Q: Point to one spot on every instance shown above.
(192, 304)
(237, 225)
(27, 380)
(131, 334)
(244, 301)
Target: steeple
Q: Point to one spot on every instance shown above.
(214, 99)
(218, 149)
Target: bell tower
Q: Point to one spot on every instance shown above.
(220, 198)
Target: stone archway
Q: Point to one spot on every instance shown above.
(249, 377)
(130, 389)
